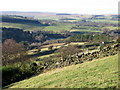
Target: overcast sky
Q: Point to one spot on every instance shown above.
(62, 6)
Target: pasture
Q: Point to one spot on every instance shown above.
(26, 27)
(103, 20)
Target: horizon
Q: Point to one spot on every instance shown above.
(55, 12)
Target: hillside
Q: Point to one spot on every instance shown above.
(101, 73)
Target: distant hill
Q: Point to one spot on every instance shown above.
(101, 73)
(63, 14)
(12, 19)
(22, 13)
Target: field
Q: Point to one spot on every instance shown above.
(36, 27)
(100, 73)
(110, 28)
(56, 28)
(84, 30)
(58, 24)
(103, 20)
(44, 48)
(26, 27)
(59, 27)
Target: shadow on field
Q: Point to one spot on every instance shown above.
(43, 53)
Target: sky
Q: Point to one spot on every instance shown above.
(62, 6)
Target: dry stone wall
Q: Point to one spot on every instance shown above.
(50, 63)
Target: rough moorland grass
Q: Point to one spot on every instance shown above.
(101, 73)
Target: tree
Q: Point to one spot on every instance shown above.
(12, 52)
(25, 44)
(50, 47)
(68, 51)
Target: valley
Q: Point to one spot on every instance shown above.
(59, 50)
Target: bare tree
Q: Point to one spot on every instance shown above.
(12, 51)
(68, 50)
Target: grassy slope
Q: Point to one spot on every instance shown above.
(97, 73)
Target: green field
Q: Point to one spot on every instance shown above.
(64, 27)
(111, 28)
(103, 20)
(56, 28)
(84, 30)
(58, 18)
(31, 27)
(26, 27)
(101, 73)
(59, 27)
